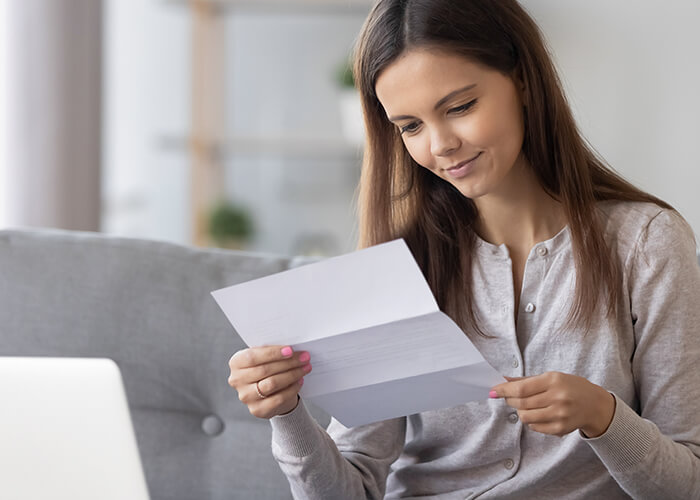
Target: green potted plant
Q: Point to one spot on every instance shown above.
(345, 76)
(230, 225)
(352, 121)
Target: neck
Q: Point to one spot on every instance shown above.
(520, 214)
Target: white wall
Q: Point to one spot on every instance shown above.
(146, 94)
(632, 73)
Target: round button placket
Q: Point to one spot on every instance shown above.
(212, 425)
(542, 251)
(513, 418)
(508, 464)
(515, 362)
(530, 307)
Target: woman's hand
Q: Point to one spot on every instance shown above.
(557, 403)
(268, 378)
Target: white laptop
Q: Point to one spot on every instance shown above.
(66, 432)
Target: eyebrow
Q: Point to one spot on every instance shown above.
(438, 104)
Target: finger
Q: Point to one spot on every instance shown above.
(541, 400)
(254, 356)
(260, 372)
(523, 388)
(272, 405)
(281, 381)
(272, 385)
(538, 416)
(498, 390)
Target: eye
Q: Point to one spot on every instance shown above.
(463, 107)
(410, 128)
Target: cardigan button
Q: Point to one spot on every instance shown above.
(212, 425)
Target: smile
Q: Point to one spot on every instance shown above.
(462, 169)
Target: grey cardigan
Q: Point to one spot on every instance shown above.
(647, 356)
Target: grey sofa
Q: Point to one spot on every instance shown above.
(147, 305)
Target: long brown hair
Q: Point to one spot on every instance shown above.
(398, 198)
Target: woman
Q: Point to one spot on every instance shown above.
(580, 288)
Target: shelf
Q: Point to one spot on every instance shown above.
(290, 147)
(279, 6)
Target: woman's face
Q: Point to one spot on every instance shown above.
(459, 119)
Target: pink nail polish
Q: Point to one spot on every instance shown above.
(493, 394)
(286, 351)
(304, 356)
(301, 381)
(307, 368)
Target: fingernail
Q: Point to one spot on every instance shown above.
(493, 394)
(286, 351)
(307, 368)
(301, 381)
(304, 356)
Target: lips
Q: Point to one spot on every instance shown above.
(460, 165)
(463, 169)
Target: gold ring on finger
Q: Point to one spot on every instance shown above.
(257, 389)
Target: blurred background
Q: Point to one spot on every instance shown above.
(233, 123)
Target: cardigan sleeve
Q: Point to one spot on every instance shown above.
(352, 464)
(654, 451)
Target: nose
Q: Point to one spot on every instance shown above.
(444, 142)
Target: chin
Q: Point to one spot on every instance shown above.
(469, 191)
(471, 186)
